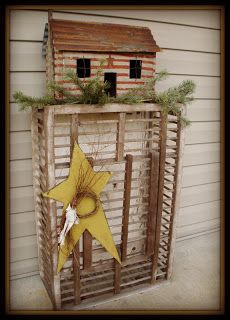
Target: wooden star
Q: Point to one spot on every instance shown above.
(83, 177)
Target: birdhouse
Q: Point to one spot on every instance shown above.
(129, 53)
(139, 144)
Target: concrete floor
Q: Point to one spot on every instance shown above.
(195, 284)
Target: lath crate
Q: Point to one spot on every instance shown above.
(143, 148)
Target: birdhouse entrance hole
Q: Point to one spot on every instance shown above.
(111, 77)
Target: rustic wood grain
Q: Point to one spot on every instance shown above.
(51, 206)
(87, 249)
(76, 251)
(126, 206)
(76, 273)
(36, 178)
(117, 277)
(120, 137)
(74, 130)
(105, 37)
(108, 108)
(87, 240)
(176, 195)
(163, 137)
(152, 215)
(77, 284)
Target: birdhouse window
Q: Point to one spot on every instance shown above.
(83, 68)
(135, 69)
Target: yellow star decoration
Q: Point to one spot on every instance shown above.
(82, 172)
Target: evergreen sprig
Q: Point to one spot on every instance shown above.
(93, 91)
(26, 102)
(172, 99)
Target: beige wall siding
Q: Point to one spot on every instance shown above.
(191, 50)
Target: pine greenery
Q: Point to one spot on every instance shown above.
(93, 91)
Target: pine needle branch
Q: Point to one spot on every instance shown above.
(54, 88)
(27, 102)
(94, 91)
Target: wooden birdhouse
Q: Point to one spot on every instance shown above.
(129, 53)
(138, 143)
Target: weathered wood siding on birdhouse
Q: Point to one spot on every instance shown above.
(191, 50)
(116, 63)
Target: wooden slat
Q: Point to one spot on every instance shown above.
(117, 277)
(76, 251)
(120, 137)
(108, 108)
(76, 273)
(51, 206)
(175, 198)
(36, 177)
(87, 250)
(74, 130)
(126, 206)
(87, 241)
(163, 137)
(151, 225)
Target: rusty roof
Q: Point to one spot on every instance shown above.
(101, 37)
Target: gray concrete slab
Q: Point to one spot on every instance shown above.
(195, 283)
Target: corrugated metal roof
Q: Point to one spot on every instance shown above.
(101, 37)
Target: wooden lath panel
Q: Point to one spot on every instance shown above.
(93, 132)
(43, 222)
(141, 149)
(147, 136)
(169, 192)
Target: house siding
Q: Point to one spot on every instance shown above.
(191, 50)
